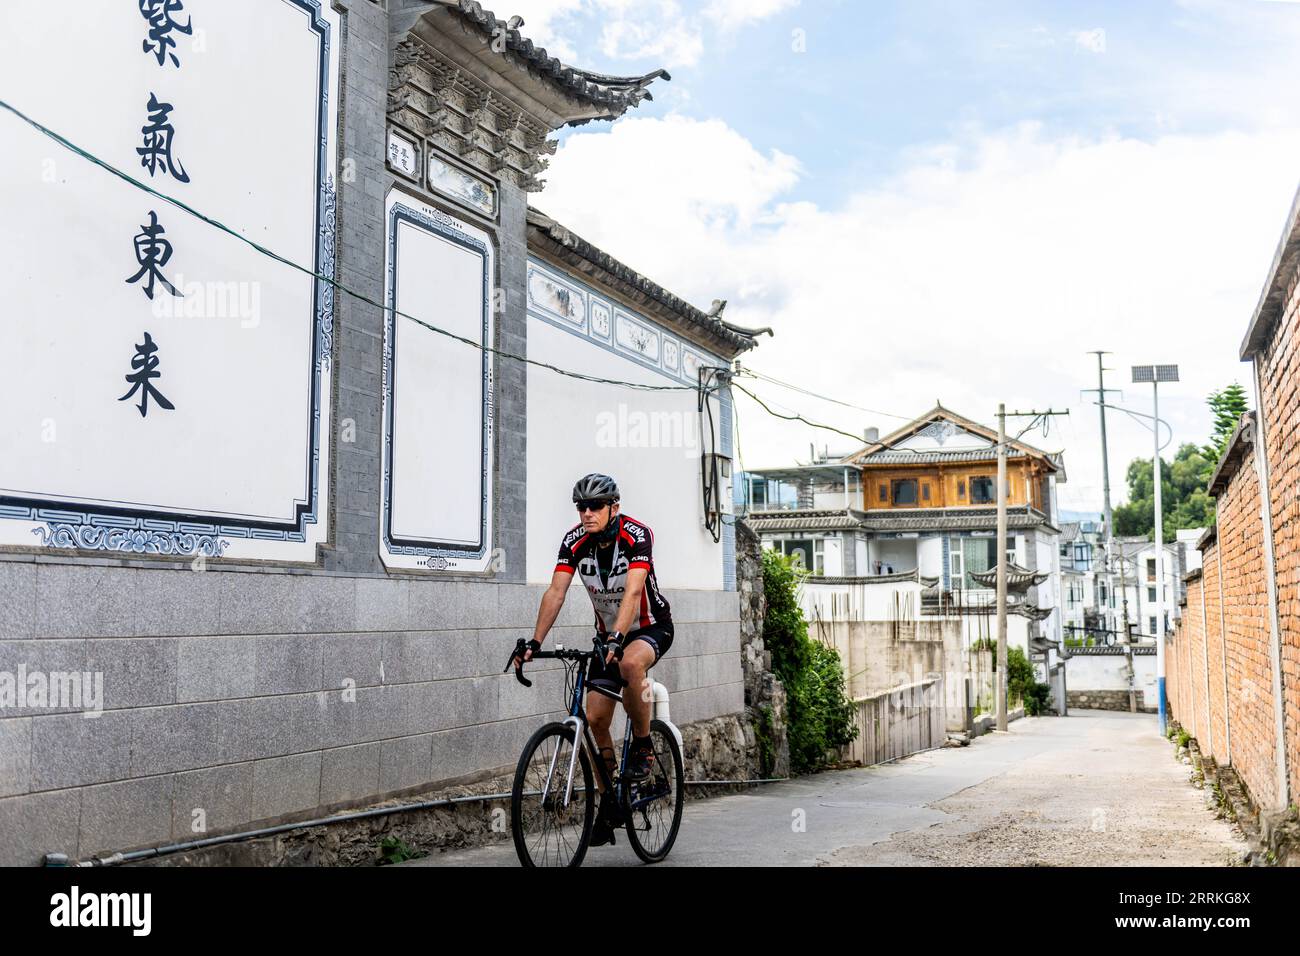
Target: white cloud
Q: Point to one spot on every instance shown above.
(1094, 41)
(982, 272)
(665, 31)
(657, 30)
(735, 13)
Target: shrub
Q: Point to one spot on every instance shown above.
(820, 714)
(1037, 699)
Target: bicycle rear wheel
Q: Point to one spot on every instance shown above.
(654, 806)
(546, 832)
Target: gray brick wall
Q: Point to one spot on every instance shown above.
(249, 695)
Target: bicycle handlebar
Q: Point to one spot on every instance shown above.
(598, 648)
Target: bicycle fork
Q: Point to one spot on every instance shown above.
(582, 738)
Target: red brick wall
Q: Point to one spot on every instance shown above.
(1185, 668)
(1250, 681)
(1215, 742)
(1279, 373)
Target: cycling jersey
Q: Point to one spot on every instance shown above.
(604, 572)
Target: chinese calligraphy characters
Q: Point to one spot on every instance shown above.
(158, 137)
(151, 253)
(162, 23)
(145, 364)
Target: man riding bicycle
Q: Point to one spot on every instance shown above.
(612, 554)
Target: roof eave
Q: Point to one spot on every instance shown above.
(1272, 297)
(562, 246)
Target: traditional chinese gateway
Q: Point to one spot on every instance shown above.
(246, 475)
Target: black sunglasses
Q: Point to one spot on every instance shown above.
(591, 504)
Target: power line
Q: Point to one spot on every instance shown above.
(799, 418)
(749, 372)
(361, 297)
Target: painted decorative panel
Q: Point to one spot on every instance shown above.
(552, 294)
(564, 300)
(462, 186)
(636, 336)
(436, 490)
(165, 384)
(692, 361)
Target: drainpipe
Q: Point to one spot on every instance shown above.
(1270, 582)
(1223, 637)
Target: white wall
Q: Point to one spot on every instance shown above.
(576, 427)
(1189, 537)
(834, 500)
(930, 556)
(899, 552)
(833, 556)
(860, 602)
(1110, 672)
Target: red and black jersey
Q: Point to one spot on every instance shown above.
(604, 572)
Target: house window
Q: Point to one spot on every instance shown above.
(1083, 556)
(925, 491)
(956, 573)
(1151, 595)
(809, 552)
(981, 490)
(1151, 572)
(884, 492)
(961, 488)
(1151, 623)
(904, 491)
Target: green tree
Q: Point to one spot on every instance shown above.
(1227, 405)
(1184, 500)
(1184, 486)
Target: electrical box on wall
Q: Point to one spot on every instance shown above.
(718, 480)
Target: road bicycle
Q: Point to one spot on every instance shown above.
(552, 803)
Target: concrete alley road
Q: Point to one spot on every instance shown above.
(1096, 788)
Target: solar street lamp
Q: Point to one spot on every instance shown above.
(1155, 374)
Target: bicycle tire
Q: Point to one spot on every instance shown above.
(530, 773)
(666, 751)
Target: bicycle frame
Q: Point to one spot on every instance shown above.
(577, 719)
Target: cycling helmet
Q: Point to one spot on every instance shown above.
(595, 487)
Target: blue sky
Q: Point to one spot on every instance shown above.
(951, 200)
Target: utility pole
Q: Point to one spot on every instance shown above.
(1002, 552)
(1155, 374)
(1002, 567)
(1101, 391)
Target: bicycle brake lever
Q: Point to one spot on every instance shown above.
(520, 646)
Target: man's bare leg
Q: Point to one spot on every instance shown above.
(600, 714)
(638, 657)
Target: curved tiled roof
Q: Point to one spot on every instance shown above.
(919, 519)
(803, 520)
(616, 94)
(1017, 577)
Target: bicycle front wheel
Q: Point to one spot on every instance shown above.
(654, 805)
(550, 814)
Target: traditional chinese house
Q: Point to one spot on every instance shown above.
(922, 501)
